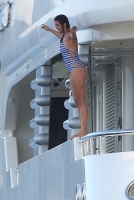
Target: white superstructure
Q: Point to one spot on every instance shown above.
(32, 89)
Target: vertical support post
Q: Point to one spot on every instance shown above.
(41, 104)
(90, 83)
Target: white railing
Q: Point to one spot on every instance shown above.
(93, 143)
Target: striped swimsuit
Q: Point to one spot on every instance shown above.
(71, 58)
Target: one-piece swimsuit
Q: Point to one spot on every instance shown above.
(71, 58)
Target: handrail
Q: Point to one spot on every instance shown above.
(105, 133)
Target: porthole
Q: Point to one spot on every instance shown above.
(130, 191)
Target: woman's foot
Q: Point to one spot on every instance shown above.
(80, 134)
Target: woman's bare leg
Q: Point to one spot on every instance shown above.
(78, 86)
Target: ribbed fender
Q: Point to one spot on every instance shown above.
(33, 104)
(67, 83)
(67, 104)
(34, 85)
(42, 139)
(74, 123)
(43, 100)
(32, 143)
(32, 123)
(72, 102)
(43, 80)
(42, 120)
(65, 125)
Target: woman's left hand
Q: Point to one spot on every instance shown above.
(73, 29)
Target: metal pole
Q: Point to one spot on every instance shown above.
(90, 83)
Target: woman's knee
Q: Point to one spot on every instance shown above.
(79, 102)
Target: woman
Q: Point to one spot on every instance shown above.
(77, 70)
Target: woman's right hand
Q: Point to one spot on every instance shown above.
(43, 26)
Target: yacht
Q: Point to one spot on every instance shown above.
(38, 114)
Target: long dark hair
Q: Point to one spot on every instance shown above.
(62, 19)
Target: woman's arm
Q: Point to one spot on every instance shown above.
(47, 28)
